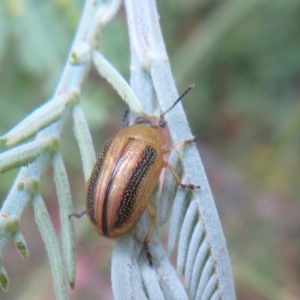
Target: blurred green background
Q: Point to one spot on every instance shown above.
(244, 57)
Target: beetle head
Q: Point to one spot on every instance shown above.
(151, 121)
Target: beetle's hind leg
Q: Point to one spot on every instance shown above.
(151, 212)
(77, 216)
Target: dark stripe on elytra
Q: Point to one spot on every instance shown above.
(128, 198)
(94, 180)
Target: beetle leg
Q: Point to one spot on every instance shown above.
(180, 144)
(148, 254)
(77, 216)
(151, 212)
(178, 180)
(125, 118)
(184, 142)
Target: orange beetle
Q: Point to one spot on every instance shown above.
(126, 174)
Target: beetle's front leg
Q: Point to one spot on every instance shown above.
(180, 144)
(184, 142)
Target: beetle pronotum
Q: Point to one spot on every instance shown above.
(126, 174)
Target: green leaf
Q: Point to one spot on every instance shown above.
(42, 218)
(65, 209)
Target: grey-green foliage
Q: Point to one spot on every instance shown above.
(194, 224)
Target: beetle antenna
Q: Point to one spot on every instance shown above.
(179, 99)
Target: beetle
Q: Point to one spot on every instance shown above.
(126, 174)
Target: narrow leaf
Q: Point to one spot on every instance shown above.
(23, 154)
(65, 209)
(41, 117)
(8, 225)
(178, 210)
(125, 274)
(194, 245)
(151, 283)
(20, 243)
(84, 140)
(47, 231)
(207, 273)
(185, 235)
(210, 288)
(169, 281)
(200, 261)
(107, 71)
(106, 11)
